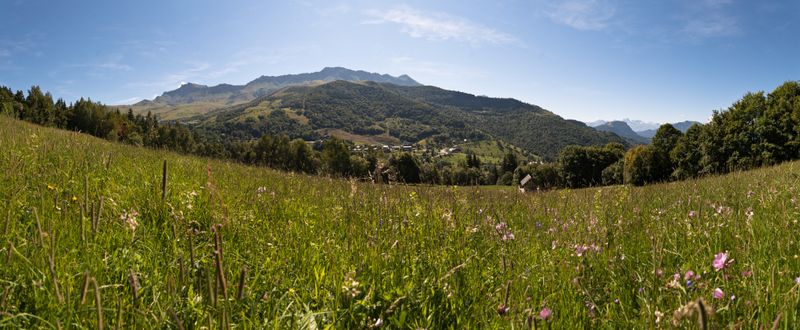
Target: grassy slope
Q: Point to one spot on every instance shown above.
(334, 252)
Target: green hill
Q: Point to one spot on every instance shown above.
(406, 113)
(87, 239)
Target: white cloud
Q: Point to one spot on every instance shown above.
(587, 15)
(709, 19)
(439, 26)
(131, 100)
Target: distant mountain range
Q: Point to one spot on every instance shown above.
(192, 99)
(367, 108)
(623, 129)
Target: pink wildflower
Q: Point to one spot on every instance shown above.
(692, 214)
(689, 275)
(797, 280)
(545, 314)
(720, 260)
(718, 293)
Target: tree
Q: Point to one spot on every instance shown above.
(407, 168)
(583, 166)
(509, 163)
(665, 139)
(336, 157)
(687, 154)
(638, 168)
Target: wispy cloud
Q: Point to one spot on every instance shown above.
(709, 19)
(130, 100)
(252, 57)
(103, 66)
(586, 15)
(440, 26)
(326, 11)
(419, 68)
(191, 72)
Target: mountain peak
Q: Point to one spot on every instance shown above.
(226, 94)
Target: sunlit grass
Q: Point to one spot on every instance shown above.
(303, 251)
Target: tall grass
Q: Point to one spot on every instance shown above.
(235, 246)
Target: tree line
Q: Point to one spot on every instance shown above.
(759, 129)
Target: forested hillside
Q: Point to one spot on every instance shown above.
(407, 113)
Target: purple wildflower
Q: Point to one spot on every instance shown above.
(720, 260)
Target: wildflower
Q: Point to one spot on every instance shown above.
(508, 236)
(545, 314)
(797, 280)
(733, 297)
(719, 260)
(659, 272)
(129, 219)
(718, 293)
(74, 199)
(350, 286)
(500, 226)
(688, 275)
(50, 187)
(749, 213)
(692, 214)
(261, 190)
(658, 316)
(580, 250)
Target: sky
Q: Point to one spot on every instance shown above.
(651, 60)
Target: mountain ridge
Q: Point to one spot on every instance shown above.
(192, 98)
(622, 129)
(386, 112)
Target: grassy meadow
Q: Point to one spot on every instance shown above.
(88, 242)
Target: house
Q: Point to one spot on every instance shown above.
(526, 184)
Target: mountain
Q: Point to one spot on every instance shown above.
(622, 129)
(384, 113)
(192, 99)
(635, 125)
(681, 126)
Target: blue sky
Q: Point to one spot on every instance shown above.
(654, 60)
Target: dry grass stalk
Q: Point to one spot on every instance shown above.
(99, 214)
(99, 303)
(221, 282)
(86, 281)
(240, 287)
(134, 283)
(164, 182)
(212, 296)
(175, 319)
(53, 273)
(39, 227)
(182, 272)
(4, 298)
